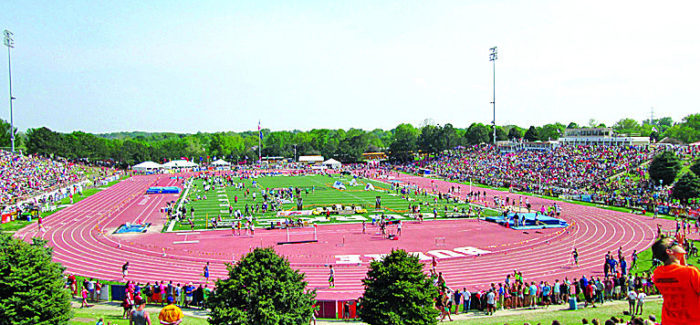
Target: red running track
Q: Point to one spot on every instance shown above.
(82, 238)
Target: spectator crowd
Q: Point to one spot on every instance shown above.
(581, 172)
(22, 177)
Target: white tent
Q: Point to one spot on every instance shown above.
(179, 164)
(147, 166)
(221, 162)
(310, 159)
(332, 163)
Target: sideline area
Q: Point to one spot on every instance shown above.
(112, 311)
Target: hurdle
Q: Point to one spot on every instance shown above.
(290, 242)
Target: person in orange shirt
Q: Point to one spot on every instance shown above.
(678, 283)
(170, 314)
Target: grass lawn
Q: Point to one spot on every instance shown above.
(112, 312)
(316, 191)
(602, 313)
(21, 223)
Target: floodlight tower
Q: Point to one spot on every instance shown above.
(493, 57)
(10, 43)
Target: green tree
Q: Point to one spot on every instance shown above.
(44, 142)
(687, 187)
(515, 132)
(695, 168)
(501, 134)
(5, 140)
(477, 133)
(261, 289)
(398, 292)
(572, 125)
(404, 143)
(351, 148)
(428, 140)
(551, 131)
(627, 125)
(31, 286)
(448, 137)
(687, 131)
(532, 134)
(664, 168)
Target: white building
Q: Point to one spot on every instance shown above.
(600, 136)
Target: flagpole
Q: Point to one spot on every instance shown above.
(259, 144)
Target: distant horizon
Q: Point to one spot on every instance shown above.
(218, 66)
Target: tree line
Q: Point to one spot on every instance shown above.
(129, 148)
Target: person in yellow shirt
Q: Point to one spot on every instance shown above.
(678, 283)
(170, 314)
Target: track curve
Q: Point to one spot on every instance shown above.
(82, 241)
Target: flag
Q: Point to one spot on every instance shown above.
(259, 130)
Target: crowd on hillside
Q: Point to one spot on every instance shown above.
(23, 176)
(582, 172)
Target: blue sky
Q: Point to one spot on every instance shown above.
(102, 66)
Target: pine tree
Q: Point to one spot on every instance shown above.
(31, 286)
(398, 292)
(664, 168)
(532, 134)
(687, 187)
(261, 289)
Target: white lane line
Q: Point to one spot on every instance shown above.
(186, 242)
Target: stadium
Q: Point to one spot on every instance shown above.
(304, 163)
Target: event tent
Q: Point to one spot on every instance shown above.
(147, 166)
(332, 163)
(179, 164)
(221, 162)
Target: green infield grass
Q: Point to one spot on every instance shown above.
(316, 191)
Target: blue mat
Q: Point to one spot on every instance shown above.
(132, 228)
(163, 190)
(529, 223)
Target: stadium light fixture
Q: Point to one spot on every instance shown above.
(10, 43)
(493, 56)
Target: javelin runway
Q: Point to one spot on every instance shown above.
(470, 253)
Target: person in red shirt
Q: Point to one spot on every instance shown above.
(678, 283)
(590, 293)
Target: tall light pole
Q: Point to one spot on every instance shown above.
(493, 57)
(10, 43)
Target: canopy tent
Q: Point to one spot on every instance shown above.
(179, 164)
(332, 163)
(310, 159)
(147, 166)
(221, 162)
